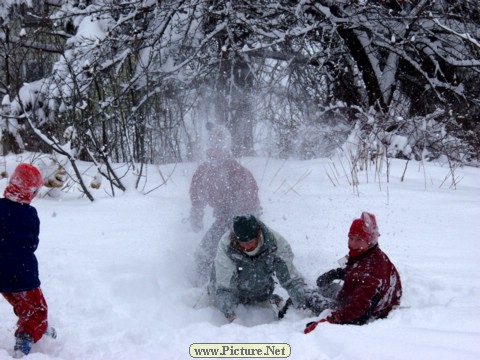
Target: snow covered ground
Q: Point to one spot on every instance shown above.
(116, 272)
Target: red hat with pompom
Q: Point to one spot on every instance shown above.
(24, 184)
(219, 142)
(366, 228)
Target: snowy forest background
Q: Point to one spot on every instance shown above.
(135, 82)
(336, 107)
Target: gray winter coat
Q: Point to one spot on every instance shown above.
(238, 278)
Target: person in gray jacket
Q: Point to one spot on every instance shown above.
(248, 258)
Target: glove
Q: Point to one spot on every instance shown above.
(312, 325)
(196, 219)
(327, 278)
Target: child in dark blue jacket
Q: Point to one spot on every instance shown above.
(19, 279)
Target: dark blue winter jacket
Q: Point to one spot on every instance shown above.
(19, 230)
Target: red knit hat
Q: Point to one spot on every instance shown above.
(366, 228)
(219, 138)
(24, 184)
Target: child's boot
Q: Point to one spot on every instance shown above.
(51, 332)
(23, 345)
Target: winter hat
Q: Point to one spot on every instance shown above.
(219, 138)
(24, 184)
(366, 228)
(245, 228)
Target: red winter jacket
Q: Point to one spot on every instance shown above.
(371, 288)
(228, 187)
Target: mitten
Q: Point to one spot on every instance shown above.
(327, 278)
(312, 325)
(196, 219)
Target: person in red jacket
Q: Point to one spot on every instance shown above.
(19, 279)
(228, 187)
(371, 283)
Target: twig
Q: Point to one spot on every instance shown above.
(404, 171)
(326, 171)
(303, 177)
(274, 176)
(264, 171)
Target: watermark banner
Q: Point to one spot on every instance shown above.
(239, 350)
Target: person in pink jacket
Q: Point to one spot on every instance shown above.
(371, 283)
(228, 187)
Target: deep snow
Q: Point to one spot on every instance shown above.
(116, 272)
